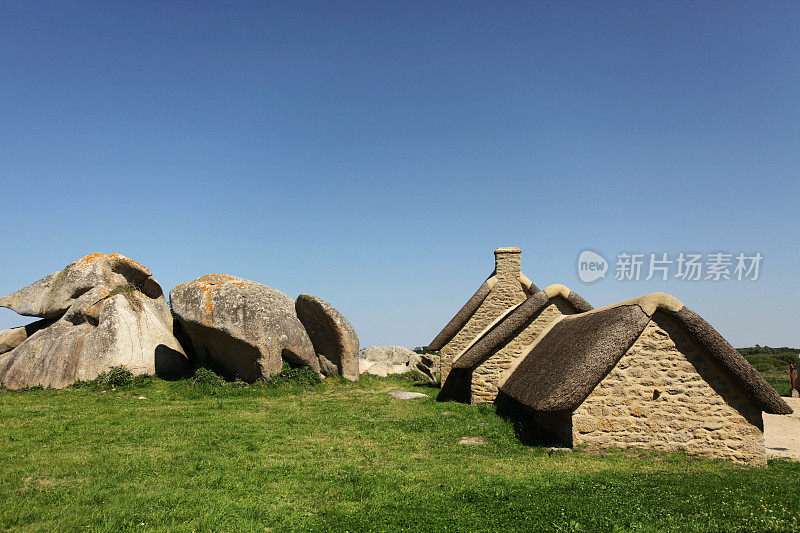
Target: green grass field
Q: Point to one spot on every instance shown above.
(342, 456)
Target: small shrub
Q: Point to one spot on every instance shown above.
(122, 289)
(301, 375)
(117, 376)
(207, 377)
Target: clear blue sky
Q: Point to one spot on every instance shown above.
(376, 153)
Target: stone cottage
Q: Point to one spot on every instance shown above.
(645, 373)
(506, 287)
(476, 370)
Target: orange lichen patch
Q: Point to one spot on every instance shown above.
(220, 278)
(207, 290)
(122, 258)
(103, 297)
(208, 285)
(213, 280)
(88, 261)
(208, 302)
(101, 300)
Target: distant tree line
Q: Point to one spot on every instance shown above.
(766, 349)
(771, 360)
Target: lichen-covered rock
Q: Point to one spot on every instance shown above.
(391, 355)
(102, 311)
(334, 339)
(384, 360)
(428, 364)
(241, 328)
(51, 296)
(381, 369)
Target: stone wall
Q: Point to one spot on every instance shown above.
(506, 293)
(666, 394)
(485, 377)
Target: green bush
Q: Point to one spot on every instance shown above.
(762, 366)
(764, 362)
(754, 350)
(116, 377)
(208, 382)
(301, 375)
(204, 376)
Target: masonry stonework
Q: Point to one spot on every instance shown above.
(508, 292)
(483, 388)
(666, 394)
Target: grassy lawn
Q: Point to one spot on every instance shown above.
(341, 456)
(779, 381)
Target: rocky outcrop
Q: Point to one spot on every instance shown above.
(428, 364)
(11, 338)
(334, 339)
(101, 311)
(385, 360)
(389, 355)
(241, 328)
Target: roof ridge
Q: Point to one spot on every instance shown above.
(649, 304)
(527, 284)
(557, 289)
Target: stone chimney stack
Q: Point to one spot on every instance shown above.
(507, 263)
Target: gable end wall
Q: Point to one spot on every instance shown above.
(699, 408)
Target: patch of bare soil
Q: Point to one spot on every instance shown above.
(782, 432)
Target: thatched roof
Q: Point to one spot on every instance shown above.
(458, 321)
(569, 360)
(514, 322)
(464, 314)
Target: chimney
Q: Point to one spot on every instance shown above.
(507, 262)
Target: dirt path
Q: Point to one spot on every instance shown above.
(782, 432)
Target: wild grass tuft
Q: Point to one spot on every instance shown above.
(122, 289)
